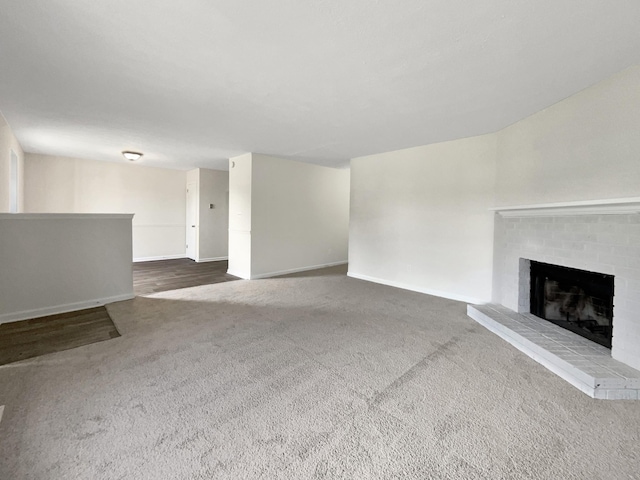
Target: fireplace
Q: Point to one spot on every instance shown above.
(544, 259)
(577, 300)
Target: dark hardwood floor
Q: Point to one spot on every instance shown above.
(54, 333)
(163, 275)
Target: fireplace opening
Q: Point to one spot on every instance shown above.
(577, 300)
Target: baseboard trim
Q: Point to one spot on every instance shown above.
(296, 270)
(213, 259)
(161, 257)
(238, 274)
(415, 288)
(68, 307)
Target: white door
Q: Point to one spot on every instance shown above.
(192, 219)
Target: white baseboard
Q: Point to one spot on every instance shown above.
(213, 259)
(296, 270)
(242, 275)
(246, 276)
(161, 257)
(416, 288)
(68, 307)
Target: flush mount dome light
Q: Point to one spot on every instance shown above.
(131, 156)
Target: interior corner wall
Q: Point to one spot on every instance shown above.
(240, 177)
(156, 197)
(299, 216)
(420, 218)
(586, 147)
(9, 142)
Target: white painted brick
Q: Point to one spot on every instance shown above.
(626, 271)
(579, 228)
(610, 219)
(611, 259)
(554, 227)
(633, 284)
(627, 251)
(585, 237)
(598, 248)
(600, 268)
(558, 256)
(599, 394)
(627, 331)
(617, 394)
(612, 238)
(573, 246)
(630, 359)
(597, 228)
(629, 271)
(603, 243)
(553, 243)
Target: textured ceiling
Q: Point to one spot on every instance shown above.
(193, 82)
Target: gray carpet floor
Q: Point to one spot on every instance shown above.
(314, 375)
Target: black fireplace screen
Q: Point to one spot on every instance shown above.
(577, 300)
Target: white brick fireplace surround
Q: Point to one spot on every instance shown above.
(599, 236)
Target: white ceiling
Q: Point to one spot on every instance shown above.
(193, 82)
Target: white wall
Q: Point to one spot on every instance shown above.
(58, 263)
(586, 147)
(213, 228)
(299, 216)
(155, 195)
(420, 218)
(9, 142)
(285, 216)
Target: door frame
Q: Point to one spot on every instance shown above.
(191, 244)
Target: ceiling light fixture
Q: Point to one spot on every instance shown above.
(131, 156)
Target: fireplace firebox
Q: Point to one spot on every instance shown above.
(576, 300)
